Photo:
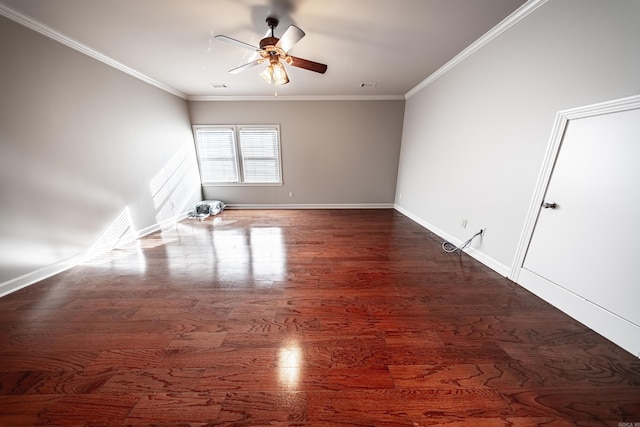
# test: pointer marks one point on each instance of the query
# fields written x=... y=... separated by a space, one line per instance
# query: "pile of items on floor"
x=206 y=208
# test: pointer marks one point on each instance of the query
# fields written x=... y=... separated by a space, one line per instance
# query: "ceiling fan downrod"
x=272 y=23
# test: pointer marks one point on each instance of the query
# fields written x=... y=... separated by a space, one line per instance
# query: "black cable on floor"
x=450 y=247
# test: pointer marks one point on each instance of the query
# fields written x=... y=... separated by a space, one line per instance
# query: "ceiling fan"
x=275 y=51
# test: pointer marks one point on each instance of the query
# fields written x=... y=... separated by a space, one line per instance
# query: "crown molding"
x=518 y=15
x=47 y=31
x=298 y=98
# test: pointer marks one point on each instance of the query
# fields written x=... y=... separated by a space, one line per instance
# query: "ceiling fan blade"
x=236 y=42
x=290 y=37
x=246 y=66
x=307 y=65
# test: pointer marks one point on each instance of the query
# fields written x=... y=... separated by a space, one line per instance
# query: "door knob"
x=549 y=205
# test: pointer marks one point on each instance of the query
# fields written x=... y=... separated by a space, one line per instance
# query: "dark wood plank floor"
x=300 y=318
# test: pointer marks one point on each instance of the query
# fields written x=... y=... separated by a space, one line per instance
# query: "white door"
x=586 y=237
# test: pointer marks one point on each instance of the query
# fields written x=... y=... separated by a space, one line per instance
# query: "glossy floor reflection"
x=301 y=318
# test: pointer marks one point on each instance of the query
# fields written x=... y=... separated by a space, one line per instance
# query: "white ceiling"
x=395 y=44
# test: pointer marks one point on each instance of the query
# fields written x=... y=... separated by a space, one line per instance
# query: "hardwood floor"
x=301 y=318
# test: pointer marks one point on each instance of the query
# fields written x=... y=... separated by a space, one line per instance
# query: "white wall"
x=333 y=152
x=474 y=139
x=81 y=144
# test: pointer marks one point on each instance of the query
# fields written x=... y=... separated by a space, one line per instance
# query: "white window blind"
x=239 y=155
x=217 y=154
x=260 y=154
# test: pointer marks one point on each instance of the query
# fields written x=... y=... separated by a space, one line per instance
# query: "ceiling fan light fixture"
x=275 y=73
x=280 y=76
x=267 y=74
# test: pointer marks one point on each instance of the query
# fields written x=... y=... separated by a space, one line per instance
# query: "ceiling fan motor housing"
x=268 y=42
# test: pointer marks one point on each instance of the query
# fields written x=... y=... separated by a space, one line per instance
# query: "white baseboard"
x=473 y=252
x=43 y=273
x=60 y=266
x=161 y=225
x=616 y=329
x=312 y=206
x=40 y=274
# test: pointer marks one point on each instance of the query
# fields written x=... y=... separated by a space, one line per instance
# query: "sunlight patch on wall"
x=173 y=186
x=119 y=233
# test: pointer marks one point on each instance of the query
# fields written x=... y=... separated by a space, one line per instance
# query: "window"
x=217 y=154
x=239 y=155
x=260 y=154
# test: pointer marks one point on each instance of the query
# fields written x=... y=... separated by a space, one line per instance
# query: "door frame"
x=613 y=327
x=553 y=149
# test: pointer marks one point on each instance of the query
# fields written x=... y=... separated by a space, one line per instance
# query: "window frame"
x=238 y=156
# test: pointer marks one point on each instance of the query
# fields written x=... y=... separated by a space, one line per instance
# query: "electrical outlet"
x=290 y=193
x=463 y=223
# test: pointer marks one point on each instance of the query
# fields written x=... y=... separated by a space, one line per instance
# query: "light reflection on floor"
x=289 y=366
x=256 y=255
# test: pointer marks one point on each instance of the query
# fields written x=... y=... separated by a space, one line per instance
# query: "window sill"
x=243 y=184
